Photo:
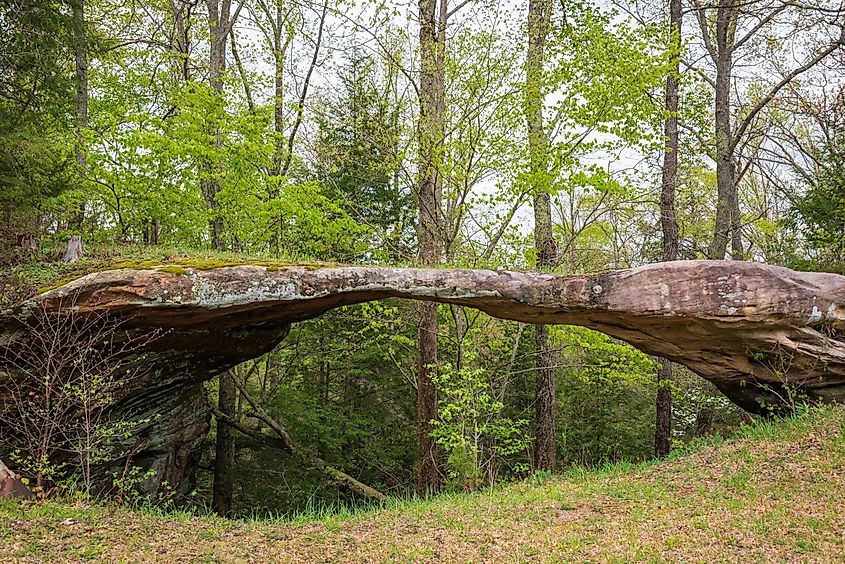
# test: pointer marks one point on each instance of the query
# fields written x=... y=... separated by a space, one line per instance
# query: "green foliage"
x=473 y=430
x=35 y=91
x=604 y=419
x=338 y=385
x=600 y=358
x=358 y=154
x=819 y=211
x=127 y=485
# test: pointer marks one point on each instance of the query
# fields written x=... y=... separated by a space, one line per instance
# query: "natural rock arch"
x=746 y=327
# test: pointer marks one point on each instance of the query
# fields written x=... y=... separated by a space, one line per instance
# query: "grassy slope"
x=774 y=494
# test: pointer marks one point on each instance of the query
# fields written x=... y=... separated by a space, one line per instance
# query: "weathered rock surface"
x=11 y=486
x=748 y=328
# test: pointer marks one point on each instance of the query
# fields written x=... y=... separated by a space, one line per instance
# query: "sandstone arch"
x=748 y=328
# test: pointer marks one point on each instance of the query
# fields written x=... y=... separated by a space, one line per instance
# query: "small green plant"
x=788 y=394
x=127 y=485
x=62 y=376
x=472 y=429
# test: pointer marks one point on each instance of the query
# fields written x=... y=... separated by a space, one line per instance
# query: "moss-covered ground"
x=26 y=278
x=772 y=494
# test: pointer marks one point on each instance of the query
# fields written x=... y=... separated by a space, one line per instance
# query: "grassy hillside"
x=772 y=494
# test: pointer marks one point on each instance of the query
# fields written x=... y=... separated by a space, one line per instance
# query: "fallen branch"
x=283 y=441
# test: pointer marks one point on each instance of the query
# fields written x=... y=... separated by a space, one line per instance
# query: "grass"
x=773 y=494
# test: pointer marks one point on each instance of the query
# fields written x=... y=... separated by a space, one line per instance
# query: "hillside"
x=771 y=494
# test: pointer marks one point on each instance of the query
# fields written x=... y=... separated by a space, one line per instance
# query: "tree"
x=220 y=23
x=34 y=92
x=539 y=20
x=668 y=219
x=429 y=194
x=728 y=29
x=80 y=48
x=221 y=20
x=358 y=152
x=820 y=210
x=224 y=453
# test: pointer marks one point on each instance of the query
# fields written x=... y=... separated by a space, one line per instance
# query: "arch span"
x=748 y=328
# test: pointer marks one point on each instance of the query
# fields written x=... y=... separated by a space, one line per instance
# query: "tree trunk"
x=429 y=204
x=278 y=90
x=669 y=225
x=725 y=172
x=180 y=41
x=74 y=250
x=669 y=181
x=219 y=24
x=539 y=19
x=663 y=421
x=428 y=473
x=545 y=438
x=737 y=252
x=224 y=455
x=80 y=51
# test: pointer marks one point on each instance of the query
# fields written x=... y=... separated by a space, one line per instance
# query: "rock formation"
x=751 y=329
x=11 y=486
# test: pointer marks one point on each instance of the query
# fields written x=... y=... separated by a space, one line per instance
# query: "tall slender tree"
x=433 y=15
x=668 y=219
x=80 y=48
x=539 y=20
x=221 y=19
x=224 y=454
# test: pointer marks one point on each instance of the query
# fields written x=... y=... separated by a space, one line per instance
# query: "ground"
x=772 y=494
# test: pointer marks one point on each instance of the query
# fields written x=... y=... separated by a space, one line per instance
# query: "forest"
x=572 y=138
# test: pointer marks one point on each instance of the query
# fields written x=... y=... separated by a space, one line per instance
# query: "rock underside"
x=749 y=328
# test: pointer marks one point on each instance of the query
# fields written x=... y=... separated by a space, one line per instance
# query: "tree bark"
x=726 y=19
x=224 y=454
x=220 y=22
x=74 y=250
x=539 y=19
x=180 y=42
x=279 y=49
x=80 y=48
x=669 y=224
x=663 y=419
x=429 y=204
x=250 y=102
x=737 y=252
